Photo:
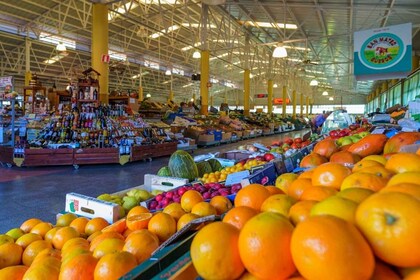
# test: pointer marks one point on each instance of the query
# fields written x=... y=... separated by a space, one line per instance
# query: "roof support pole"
x=28 y=75
x=205 y=62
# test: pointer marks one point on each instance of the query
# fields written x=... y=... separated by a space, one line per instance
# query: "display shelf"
x=6 y=125
x=46 y=157
x=31 y=91
x=208 y=143
x=6 y=156
x=96 y=156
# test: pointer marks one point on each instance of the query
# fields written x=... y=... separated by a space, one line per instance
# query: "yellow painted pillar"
x=100 y=47
x=414 y=62
x=301 y=104
x=270 y=97
x=247 y=90
x=140 y=93
x=171 y=95
x=204 y=90
x=284 y=101
x=307 y=106
x=294 y=104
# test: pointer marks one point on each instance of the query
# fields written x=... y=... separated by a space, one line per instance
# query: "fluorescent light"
x=122 y=10
x=325 y=93
x=187 y=85
x=138 y=75
x=294 y=59
x=271 y=25
x=168 y=72
x=219 y=56
x=56 y=58
x=61 y=47
x=313 y=83
x=196 y=54
x=214 y=81
x=164 y=31
x=148 y=95
x=280 y=52
x=331 y=98
x=275 y=86
x=117 y=55
x=314 y=71
x=192 y=99
x=56 y=40
x=197 y=25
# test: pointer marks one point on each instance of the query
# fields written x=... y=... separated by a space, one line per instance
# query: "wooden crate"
x=96 y=156
x=43 y=157
x=164 y=149
x=141 y=152
x=6 y=155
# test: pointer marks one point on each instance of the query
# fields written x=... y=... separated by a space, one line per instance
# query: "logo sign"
x=261 y=95
x=279 y=101
x=105 y=58
x=383 y=53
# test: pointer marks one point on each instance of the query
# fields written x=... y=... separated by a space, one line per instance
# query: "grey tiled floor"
x=40 y=192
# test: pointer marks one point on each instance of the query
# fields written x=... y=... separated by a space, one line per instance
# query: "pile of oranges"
x=334 y=221
x=221 y=175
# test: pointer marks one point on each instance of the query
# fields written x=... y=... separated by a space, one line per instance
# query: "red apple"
x=268 y=157
x=298 y=140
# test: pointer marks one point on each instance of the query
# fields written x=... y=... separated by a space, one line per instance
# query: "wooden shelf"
x=88 y=100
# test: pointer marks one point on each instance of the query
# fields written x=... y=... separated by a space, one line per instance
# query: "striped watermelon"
x=203 y=168
x=182 y=165
x=165 y=172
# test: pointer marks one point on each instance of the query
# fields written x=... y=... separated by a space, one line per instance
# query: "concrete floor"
x=40 y=191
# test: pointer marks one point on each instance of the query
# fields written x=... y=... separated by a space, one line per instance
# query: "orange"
x=355 y=194
x=33 y=250
x=325 y=147
x=10 y=254
x=312 y=160
x=75 y=242
x=47 y=268
x=65 y=258
x=203 y=209
x=406 y=271
x=137 y=210
x=103 y=236
x=330 y=175
x=185 y=219
x=14 y=272
x=49 y=252
x=298 y=186
x=264 y=246
x=63 y=235
x=14 y=233
x=119 y=226
x=27 y=239
x=336 y=206
x=239 y=215
x=252 y=196
x=189 y=199
x=139 y=221
x=307 y=174
x=247 y=276
x=403 y=162
x=163 y=225
x=109 y=245
x=408 y=188
x=41 y=228
x=408 y=177
x=365 y=181
x=300 y=211
x=95 y=224
x=79 y=224
x=81 y=267
x=141 y=244
x=27 y=225
x=379 y=158
x=278 y=203
x=274 y=190
x=175 y=210
x=65 y=219
x=317 y=193
x=377 y=170
x=114 y=265
x=327 y=247
x=365 y=163
x=415 y=275
x=214 y=252
x=384 y=272
x=284 y=180
x=344 y=157
x=222 y=204
x=388 y=221
x=50 y=234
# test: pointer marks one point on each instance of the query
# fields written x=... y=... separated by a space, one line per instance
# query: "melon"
x=164 y=172
x=396 y=142
x=182 y=165
x=203 y=168
x=215 y=165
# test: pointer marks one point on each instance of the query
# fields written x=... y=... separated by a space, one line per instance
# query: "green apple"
x=355 y=138
x=363 y=133
x=346 y=140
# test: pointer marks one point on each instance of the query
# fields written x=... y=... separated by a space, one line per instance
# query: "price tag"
x=280 y=166
x=296 y=158
x=237 y=177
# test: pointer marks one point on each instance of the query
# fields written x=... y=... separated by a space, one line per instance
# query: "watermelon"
x=203 y=168
x=215 y=165
x=182 y=165
x=165 y=172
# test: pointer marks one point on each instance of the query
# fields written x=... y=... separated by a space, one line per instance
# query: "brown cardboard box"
x=266 y=130
x=226 y=135
x=246 y=133
x=239 y=134
x=192 y=133
x=206 y=138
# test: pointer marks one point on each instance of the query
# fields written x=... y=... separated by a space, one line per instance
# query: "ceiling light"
x=325 y=93
x=313 y=83
x=168 y=72
x=196 y=54
x=187 y=85
x=280 y=52
x=148 y=95
x=271 y=25
x=61 y=47
x=192 y=99
x=275 y=86
x=331 y=98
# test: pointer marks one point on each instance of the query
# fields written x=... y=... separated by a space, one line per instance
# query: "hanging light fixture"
x=61 y=47
x=331 y=98
x=280 y=52
x=192 y=99
x=275 y=86
x=313 y=83
x=196 y=54
x=168 y=72
x=148 y=95
x=325 y=93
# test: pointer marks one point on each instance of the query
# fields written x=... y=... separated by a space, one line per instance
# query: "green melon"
x=203 y=168
x=165 y=172
x=182 y=165
x=215 y=165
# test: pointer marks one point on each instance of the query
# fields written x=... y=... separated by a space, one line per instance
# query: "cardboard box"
x=191 y=142
x=266 y=131
x=91 y=207
x=206 y=138
x=236 y=155
x=238 y=134
x=226 y=135
x=247 y=133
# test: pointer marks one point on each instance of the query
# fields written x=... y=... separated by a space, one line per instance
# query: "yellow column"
x=171 y=95
x=247 y=89
x=284 y=101
x=204 y=90
x=307 y=106
x=294 y=104
x=140 y=93
x=301 y=104
x=270 y=97
x=100 y=47
x=415 y=62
